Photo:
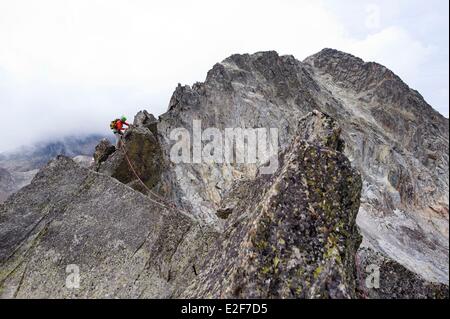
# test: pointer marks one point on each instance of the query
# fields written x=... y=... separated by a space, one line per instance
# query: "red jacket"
x=120 y=124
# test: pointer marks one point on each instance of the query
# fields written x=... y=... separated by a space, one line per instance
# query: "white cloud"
x=395 y=48
x=67 y=66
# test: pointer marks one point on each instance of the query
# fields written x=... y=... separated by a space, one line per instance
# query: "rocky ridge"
x=294 y=237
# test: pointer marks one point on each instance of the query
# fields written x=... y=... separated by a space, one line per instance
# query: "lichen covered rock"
x=142 y=153
x=319 y=128
x=122 y=243
x=295 y=237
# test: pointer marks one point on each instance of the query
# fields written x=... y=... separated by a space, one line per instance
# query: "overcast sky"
x=68 y=67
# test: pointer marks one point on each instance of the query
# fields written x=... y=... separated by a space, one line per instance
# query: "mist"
x=70 y=67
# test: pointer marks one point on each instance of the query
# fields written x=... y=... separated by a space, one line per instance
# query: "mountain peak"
x=352 y=142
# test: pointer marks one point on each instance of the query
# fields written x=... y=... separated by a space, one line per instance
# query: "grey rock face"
x=244 y=91
x=295 y=237
x=394 y=281
x=400 y=145
x=394 y=138
x=6 y=184
x=123 y=244
x=320 y=129
x=6 y=179
x=102 y=152
x=141 y=150
x=126 y=245
x=83 y=160
x=145 y=119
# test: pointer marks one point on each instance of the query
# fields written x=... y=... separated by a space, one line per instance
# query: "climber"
x=118 y=129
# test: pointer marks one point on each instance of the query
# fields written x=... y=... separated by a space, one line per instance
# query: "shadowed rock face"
x=291 y=234
x=144 y=154
x=295 y=237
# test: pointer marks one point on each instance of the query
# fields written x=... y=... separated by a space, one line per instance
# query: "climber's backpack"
x=113 y=124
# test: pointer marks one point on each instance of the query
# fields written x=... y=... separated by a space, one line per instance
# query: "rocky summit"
x=357 y=206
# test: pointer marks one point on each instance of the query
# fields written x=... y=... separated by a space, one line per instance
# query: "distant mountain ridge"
x=35 y=156
x=19 y=166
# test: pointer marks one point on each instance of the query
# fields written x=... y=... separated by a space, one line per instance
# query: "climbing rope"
x=171 y=206
x=161 y=201
x=149 y=191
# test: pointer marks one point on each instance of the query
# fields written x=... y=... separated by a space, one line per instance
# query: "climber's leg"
x=118 y=139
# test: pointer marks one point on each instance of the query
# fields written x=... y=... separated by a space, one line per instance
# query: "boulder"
x=140 y=158
x=102 y=151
